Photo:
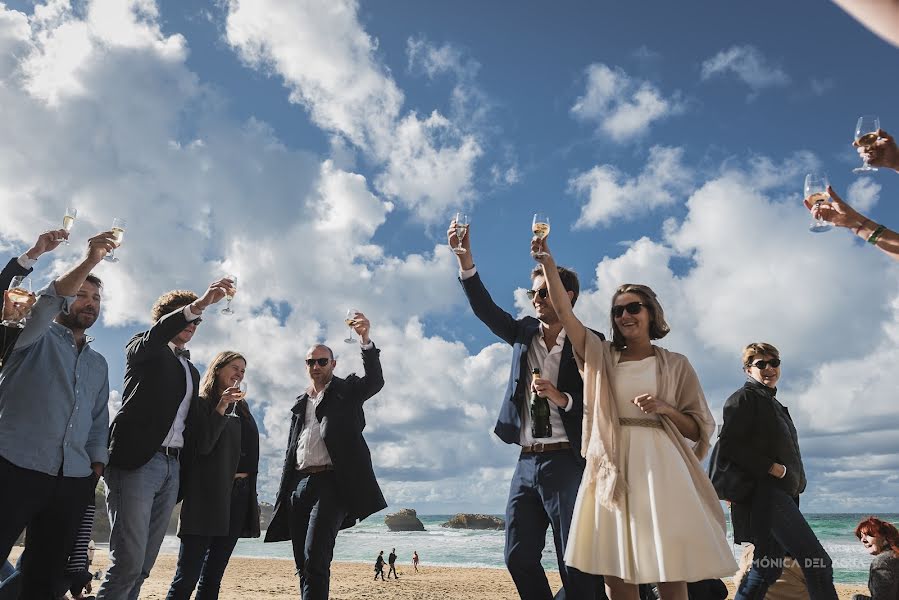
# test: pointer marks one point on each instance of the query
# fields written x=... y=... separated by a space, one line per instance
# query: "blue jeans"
x=6 y=569
x=316 y=513
x=140 y=503
x=542 y=494
x=777 y=527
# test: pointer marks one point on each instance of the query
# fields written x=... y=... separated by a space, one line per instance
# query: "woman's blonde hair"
x=658 y=327
x=758 y=349
x=207 y=383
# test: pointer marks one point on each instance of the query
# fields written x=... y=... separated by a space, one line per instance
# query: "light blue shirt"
x=53 y=398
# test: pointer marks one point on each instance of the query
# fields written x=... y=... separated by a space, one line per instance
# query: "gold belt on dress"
x=640 y=422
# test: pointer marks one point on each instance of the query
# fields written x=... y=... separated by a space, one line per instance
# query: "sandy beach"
x=273 y=579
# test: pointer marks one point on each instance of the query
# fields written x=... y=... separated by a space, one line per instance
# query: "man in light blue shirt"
x=54 y=390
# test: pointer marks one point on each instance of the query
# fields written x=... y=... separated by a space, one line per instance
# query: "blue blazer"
x=518 y=333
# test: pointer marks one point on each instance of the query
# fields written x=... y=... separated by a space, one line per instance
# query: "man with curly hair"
x=148 y=436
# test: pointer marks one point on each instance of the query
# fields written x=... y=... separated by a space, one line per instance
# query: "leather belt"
x=314 y=470
x=641 y=422
x=541 y=447
x=169 y=451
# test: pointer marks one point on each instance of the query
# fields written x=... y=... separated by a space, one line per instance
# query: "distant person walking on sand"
x=415 y=560
x=392 y=560
x=379 y=565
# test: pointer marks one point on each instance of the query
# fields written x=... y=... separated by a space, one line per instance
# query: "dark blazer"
x=342 y=421
x=154 y=388
x=206 y=509
x=518 y=333
x=9 y=334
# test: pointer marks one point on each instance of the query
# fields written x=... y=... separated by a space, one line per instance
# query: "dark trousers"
x=51 y=508
x=392 y=570
x=202 y=559
x=543 y=491
x=316 y=513
x=777 y=526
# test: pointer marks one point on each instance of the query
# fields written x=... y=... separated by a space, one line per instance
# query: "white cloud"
x=863 y=193
x=748 y=64
x=331 y=66
x=622 y=107
x=611 y=196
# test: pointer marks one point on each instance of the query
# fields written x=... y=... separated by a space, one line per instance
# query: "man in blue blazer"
x=546 y=479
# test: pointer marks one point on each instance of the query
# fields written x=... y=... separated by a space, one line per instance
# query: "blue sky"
x=318 y=149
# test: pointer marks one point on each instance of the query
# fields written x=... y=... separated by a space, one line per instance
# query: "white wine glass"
x=540 y=227
x=67 y=221
x=243 y=394
x=118 y=230
x=865 y=135
x=350 y=320
x=815 y=188
x=462 y=223
x=229 y=295
x=16 y=302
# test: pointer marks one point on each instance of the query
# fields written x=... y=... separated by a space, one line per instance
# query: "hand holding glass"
x=17 y=302
x=118 y=230
x=229 y=295
x=865 y=135
x=815 y=193
x=350 y=321
x=232 y=412
x=461 y=221
x=540 y=227
x=67 y=221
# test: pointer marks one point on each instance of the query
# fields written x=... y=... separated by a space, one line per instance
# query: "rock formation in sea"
x=404 y=520
x=469 y=521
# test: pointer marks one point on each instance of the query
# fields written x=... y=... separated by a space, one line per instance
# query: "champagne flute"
x=816 y=192
x=243 y=394
x=461 y=231
x=15 y=302
x=350 y=320
x=229 y=295
x=67 y=221
x=118 y=230
x=540 y=227
x=865 y=135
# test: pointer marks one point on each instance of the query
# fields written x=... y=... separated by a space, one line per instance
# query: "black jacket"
x=518 y=333
x=9 y=335
x=342 y=421
x=758 y=432
x=154 y=388
x=210 y=476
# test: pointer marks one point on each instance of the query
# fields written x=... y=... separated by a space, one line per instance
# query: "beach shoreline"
x=274 y=579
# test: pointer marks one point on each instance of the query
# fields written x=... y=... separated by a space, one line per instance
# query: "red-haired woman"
x=881 y=539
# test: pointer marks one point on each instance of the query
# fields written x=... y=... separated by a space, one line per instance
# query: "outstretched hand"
x=882 y=153
x=47 y=242
x=540 y=251
x=837 y=211
x=215 y=292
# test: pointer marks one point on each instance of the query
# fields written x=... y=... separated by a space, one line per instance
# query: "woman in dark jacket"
x=219 y=488
x=881 y=539
x=759 y=438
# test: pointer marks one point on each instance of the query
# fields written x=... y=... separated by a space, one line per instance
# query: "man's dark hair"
x=171 y=301
x=569 y=280
x=91 y=278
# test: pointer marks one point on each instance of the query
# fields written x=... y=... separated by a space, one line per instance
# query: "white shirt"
x=539 y=357
x=311 y=448
x=175 y=437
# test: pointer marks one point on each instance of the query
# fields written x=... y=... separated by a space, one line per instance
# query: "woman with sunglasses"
x=219 y=486
x=759 y=438
x=646 y=511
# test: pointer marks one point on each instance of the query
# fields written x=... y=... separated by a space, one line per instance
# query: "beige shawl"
x=678 y=385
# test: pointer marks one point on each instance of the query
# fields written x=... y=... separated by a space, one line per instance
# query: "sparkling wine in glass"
x=816 y=185
x=17 y=302
x=865 y=135
x=350 y=321
x=540 y=227
x=118 y=230
x=67 y=221
x=461 y=221
x=240 y=396
x=229 y=295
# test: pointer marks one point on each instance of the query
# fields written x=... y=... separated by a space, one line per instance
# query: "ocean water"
x=469 y=548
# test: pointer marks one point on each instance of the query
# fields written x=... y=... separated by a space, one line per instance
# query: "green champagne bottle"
x=539 y=410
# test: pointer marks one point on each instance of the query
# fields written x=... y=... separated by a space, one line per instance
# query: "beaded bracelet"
x=875 y=235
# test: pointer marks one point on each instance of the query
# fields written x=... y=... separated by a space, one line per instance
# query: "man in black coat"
x=328 y=482
x=148 y=436
x=548 y=473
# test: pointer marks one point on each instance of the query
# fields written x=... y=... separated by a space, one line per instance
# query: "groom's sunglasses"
x=542 y=293
x=322 y=362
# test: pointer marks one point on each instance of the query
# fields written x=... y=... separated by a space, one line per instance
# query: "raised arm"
x=838 y=212
x=373 y=379
x=880 y=16
x=560 y=298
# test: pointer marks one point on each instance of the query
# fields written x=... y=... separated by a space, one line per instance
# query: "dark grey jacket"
x=883 y=579
x=209 y=476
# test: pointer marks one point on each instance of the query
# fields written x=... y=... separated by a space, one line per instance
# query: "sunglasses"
x=632 y=308
x=542 y=292
x=323 y=361
x=764 y=364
